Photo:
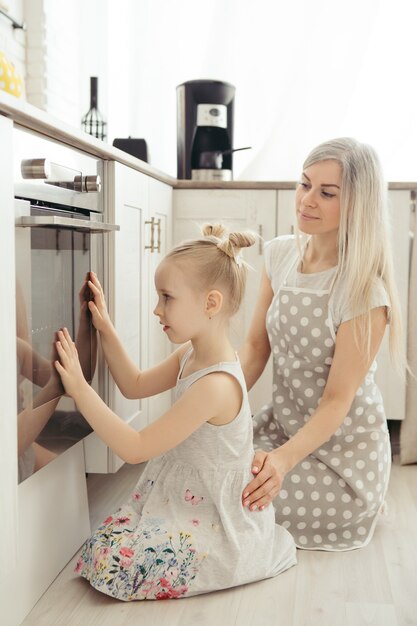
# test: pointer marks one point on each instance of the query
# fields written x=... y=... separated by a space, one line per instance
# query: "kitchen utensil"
x=213 y=159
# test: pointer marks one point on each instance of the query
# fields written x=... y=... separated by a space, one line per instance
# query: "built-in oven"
x=60 y=237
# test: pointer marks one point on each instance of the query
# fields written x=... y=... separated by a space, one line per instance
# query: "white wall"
x=52 y=56
x=304 y=72
x=95 y=43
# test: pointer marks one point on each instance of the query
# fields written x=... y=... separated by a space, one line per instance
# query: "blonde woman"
x=184 y=530
x=326 y=297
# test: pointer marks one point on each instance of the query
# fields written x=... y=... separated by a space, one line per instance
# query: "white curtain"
x=304 y=72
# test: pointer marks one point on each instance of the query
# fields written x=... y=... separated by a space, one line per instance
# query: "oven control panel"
x=60 y=176
x=52 y=172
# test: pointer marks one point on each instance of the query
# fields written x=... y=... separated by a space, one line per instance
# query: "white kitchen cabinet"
x=238 y=209
x=285 y=211
x=159 y=348
x=8 y=406
x=390 y=382
x=141 y=206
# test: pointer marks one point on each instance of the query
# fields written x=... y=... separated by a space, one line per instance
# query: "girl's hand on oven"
x=68 y=366
x=97 y=306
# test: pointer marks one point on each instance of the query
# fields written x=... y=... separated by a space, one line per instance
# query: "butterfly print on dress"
x=193 y=499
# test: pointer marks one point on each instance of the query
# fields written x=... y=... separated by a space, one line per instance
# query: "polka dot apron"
x=330 y=500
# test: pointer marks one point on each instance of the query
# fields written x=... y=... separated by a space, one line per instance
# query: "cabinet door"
x=285 y=211
x=127 y=293
x=159 y=348
x=391 y=384
x=238 y=210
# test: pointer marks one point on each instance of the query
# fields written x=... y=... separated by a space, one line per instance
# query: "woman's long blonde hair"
x=364 y=245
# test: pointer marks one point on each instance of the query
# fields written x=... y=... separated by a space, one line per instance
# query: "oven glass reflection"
x=53 y=266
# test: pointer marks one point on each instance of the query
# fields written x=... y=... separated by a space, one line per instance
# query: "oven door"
x=55 y=251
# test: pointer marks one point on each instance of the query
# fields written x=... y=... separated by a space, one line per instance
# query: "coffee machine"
x=205 y=130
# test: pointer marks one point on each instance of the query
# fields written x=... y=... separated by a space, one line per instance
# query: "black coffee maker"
x=205 y=130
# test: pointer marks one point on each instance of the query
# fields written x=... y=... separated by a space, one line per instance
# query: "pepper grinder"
x=93 y=121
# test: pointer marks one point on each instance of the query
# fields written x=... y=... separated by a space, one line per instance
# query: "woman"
x=323 y=308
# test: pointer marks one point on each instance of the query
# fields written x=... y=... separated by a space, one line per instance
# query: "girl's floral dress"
x=184 y=530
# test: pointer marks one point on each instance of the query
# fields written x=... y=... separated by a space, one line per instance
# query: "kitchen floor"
x=374 y=586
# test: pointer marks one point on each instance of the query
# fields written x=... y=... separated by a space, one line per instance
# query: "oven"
x=60 y=236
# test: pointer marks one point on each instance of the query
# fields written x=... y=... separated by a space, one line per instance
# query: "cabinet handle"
x=158 y=223
x=154 y=223
x=260 y=241
x=413 y=203
x=152 y=244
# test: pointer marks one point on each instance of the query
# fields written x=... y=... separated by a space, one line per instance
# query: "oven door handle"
x=55 y=221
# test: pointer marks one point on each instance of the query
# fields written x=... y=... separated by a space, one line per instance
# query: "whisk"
x=93 y=121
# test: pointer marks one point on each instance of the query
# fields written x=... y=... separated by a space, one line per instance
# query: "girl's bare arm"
x=132 y=382
x=206 y=399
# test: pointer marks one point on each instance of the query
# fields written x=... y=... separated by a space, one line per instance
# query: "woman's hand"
x=97 y=306
x=268 y=468
x=69 y=367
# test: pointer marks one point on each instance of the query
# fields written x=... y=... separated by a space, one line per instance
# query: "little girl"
x=184 y=530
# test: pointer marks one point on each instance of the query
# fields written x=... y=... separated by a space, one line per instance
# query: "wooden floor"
x=374 y=586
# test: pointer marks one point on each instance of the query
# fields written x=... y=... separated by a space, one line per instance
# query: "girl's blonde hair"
x=364 y=246
x=215 y=261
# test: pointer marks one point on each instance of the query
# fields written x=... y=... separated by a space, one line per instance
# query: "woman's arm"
x=348 y=369
x=255 y=351
x=206 y=399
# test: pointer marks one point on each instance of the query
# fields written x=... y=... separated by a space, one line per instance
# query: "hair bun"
x=234 y=242
x=214 y=230
x=242 y=240
x=229 y=243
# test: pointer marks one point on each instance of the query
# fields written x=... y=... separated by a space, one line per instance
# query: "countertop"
x=31 y=117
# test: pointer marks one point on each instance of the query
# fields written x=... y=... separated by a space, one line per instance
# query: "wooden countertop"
x=235 y=184
x=31 y=117
x=264 y=184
